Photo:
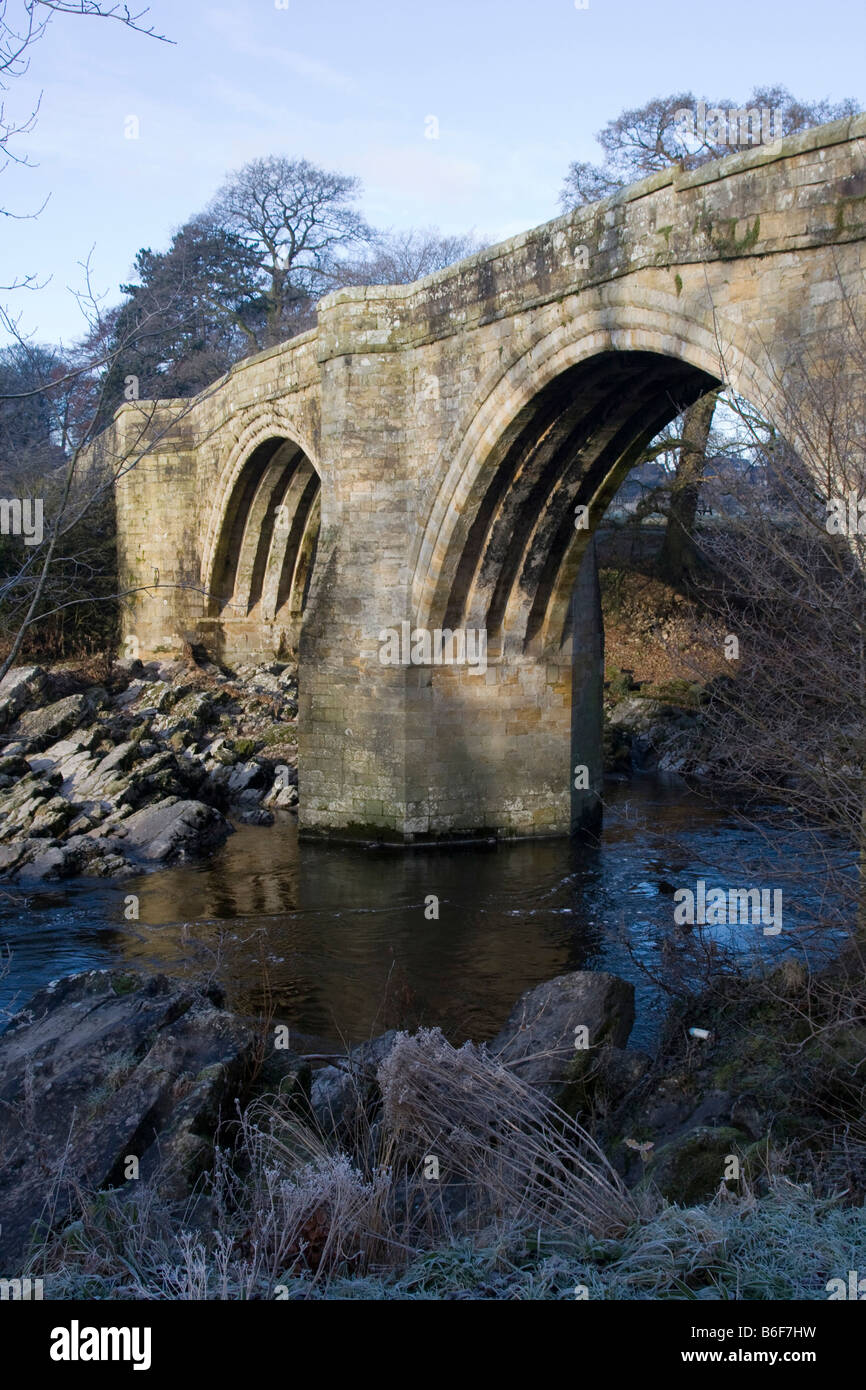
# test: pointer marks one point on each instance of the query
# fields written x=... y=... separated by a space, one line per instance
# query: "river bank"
x=146 y=767
x=185 y=1151
x=266 y=1027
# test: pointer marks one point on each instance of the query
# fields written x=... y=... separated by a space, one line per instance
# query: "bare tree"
x=679 y=558
x=399 y=258
x=298 y=220
x=788 y=727
x=22 y=24
x=645 y=139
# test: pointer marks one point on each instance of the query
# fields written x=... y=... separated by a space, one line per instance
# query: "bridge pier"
x=413 y=753
x=434 y=753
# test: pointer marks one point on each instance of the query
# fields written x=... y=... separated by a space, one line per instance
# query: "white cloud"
x=235 y=31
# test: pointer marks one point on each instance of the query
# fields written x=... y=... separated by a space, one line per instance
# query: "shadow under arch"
x=263 y=548
x=559 y=426
x=518 y=548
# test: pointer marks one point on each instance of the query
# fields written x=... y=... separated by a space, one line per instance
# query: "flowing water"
x=342 y=943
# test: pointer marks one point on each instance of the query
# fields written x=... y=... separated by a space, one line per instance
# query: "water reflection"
x=343 y=943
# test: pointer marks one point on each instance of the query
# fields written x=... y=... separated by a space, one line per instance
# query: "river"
x=342 y=942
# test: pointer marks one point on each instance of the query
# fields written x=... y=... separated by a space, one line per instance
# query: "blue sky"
x=518 y=87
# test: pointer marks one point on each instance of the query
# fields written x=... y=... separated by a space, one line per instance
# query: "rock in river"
x=540 y=1040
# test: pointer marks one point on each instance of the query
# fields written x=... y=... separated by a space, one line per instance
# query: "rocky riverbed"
x=148 y=768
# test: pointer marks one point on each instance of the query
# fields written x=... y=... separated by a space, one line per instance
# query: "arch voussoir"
x=656 y=326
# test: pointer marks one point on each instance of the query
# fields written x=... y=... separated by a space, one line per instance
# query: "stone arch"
x=244 y=441
x=261 y=541
x=561 y=425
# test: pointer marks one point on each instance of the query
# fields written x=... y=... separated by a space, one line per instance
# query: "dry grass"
x=286 y=1203
x=532 y=1164
x=657 y=633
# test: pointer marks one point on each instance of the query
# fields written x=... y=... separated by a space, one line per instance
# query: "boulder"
x=691 y=1167
x=82 y=740
x=172 y=830
x=119 y=760
x=129 y=695
x=104 y=1066
x=638 y=715
x=154 y=778
x=245 y=775
x=93 y=855
x=334 y=1098
x=189 y=715
x=23 y=802
x=45 y=865
x=44 y=726
x=13 y=853
x=643 y=733
x=618 y=1070
x=129 y=666
x=341 y=1094
x=286 y=1074
x=540 y=1041
x=285 y=798
x=21 y=688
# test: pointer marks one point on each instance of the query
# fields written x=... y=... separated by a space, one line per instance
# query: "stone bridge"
x=418 y=460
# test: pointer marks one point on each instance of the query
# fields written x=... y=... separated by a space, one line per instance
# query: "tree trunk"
x=678 y=560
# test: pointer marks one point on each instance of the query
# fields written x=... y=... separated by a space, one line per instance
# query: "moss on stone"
x=125 y=984
x=690 y=1168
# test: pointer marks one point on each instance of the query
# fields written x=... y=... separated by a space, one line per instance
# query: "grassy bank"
x=524 y=1201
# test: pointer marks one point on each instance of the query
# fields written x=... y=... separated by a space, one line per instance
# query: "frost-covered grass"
x=527 y=1208
x=784 y=1246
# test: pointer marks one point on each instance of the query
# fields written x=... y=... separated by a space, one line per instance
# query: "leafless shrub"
x=786 y=727
x=527 y=1159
